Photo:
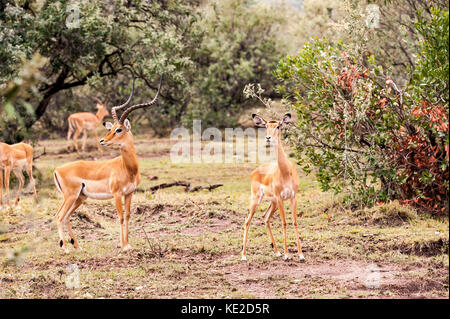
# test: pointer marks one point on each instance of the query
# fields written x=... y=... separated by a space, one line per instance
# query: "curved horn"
x=119 y=107
x=98 y=100
x=138 y=106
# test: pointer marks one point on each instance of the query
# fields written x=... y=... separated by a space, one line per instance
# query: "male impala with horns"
x=115 y=178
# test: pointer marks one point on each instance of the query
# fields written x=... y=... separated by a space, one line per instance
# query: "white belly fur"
x=20 y=164
x=287 y=193
x=97 y=195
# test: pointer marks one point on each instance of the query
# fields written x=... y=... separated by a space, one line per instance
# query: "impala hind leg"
x=267 y=216
x=30 y=175
x=283 y=222
x=255 y=200
x=83 y=146
x=7 y=173
x=59 y=218
x=69 y=133
x=74 y=139
x=73 y=239
x=1 y=189
x=297 y=236
x=18 y=173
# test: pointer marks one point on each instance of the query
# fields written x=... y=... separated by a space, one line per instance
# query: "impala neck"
x=100 y=115
x=283 y=162
x=129 y=157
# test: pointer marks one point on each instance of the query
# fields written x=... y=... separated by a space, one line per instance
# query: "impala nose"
x=102 y=142
x=268 y=138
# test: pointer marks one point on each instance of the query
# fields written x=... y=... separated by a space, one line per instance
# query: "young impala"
x=115 y=178
x=16 y=157
x=278 y=182
x=83 y=122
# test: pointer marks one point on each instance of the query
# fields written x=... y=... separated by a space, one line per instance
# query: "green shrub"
x=361 y=132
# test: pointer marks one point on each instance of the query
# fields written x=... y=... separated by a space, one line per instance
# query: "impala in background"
x=83 y=122
x=17 y=158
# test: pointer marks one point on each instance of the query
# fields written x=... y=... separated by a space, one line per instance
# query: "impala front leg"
x=294 y=220
x=127 y=219
x=253 y=205
x=118 y=200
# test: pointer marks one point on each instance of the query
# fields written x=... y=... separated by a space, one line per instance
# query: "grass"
x=193 y=243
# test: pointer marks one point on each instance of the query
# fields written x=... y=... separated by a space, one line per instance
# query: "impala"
x=85 y=121
x=277 y=182
x=115 y=178
x=16 y=157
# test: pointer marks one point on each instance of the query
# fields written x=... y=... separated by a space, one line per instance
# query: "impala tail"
x=58 y=185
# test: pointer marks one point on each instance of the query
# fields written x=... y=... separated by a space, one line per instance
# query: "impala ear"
x=286 y=119
x=258 y=120
x=108 y=125
x=127 y=124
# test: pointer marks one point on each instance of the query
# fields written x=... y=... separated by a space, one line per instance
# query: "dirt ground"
x=187 y=245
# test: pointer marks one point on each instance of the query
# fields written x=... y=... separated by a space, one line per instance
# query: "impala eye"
x=119 y=130
x=278 y=127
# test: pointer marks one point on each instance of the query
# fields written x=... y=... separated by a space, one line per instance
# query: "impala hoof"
x=243 y=258
x=301 y=258
x=277 y=254
x=127 y=247
x=286 y=257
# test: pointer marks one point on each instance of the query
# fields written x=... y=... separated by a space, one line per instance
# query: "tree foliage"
x=205 y=51
x=361 y=131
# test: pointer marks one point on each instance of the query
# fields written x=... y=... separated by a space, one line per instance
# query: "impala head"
x=273 y=128
x=102 y=110
x=101 y=107
x=119 y=131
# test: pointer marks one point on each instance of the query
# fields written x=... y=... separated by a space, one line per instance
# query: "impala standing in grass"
x=115 y=178
x=16 y=158
x=277 y=182
x=83 y=122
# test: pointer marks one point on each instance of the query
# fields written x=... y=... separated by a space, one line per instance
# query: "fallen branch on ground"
x=187 y=187
x=43 y=153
